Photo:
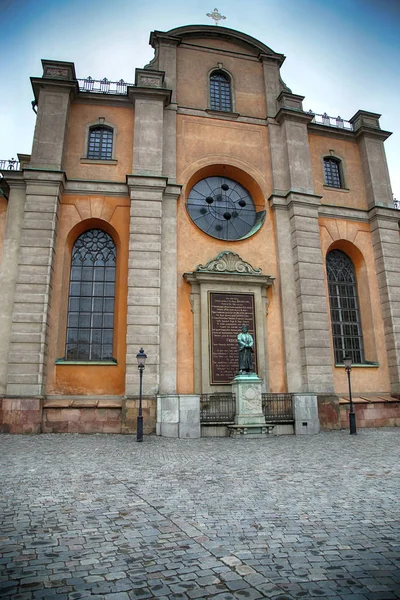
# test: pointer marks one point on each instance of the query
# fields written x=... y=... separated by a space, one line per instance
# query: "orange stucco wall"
x=81 y=115
x=77 y=214
x=3 y=216
x=354 y=194
x=354 y=238
x=240 y=152
x=194 y=65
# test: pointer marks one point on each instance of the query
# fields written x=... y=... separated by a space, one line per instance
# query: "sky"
x=342 y=56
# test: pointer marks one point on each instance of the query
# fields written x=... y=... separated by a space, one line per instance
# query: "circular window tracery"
x=223 y=209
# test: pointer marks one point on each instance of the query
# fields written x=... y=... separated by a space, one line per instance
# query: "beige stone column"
x=9 y=266
x=272 y=81
x=144 y=281
x=370 y=139
x=149 y=97
x=152 y=294
x=304 y=308
x=386 y=243
x=53 y=94
x=384 y=221
x=291 y=334
x=312 y=306
x=27 y=362
x=168 y=306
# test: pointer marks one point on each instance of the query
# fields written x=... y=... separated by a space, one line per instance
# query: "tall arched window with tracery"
x=344 y=306
x=90 y=326
x=220 y=91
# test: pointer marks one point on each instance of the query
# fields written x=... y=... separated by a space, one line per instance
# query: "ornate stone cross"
x=215 y=15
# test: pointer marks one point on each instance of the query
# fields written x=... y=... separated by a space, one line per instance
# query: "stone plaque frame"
x=227 y=273
x=249 y=319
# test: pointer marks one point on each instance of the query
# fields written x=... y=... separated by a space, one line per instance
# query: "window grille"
x=345 y=313
x=90 y=326
x=220 y=91
x=100 y=144
x=333 y=176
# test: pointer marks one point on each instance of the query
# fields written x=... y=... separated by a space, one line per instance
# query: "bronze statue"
x=245 y=345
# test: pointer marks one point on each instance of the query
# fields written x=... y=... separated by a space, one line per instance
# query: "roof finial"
x=215 y=15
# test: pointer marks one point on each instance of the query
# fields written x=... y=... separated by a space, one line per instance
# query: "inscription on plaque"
x=228 y=312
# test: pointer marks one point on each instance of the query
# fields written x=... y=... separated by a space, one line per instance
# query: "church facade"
x=166 y=213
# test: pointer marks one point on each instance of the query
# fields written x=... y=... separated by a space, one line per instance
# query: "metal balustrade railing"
x=103 y=86
x=217 y=408
x=9 y=165
x=337 y=122
x=277 y=407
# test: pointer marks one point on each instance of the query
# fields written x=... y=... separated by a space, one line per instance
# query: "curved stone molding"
x=228 y=262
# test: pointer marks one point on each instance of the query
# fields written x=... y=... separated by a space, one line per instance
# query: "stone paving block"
x=99 y=516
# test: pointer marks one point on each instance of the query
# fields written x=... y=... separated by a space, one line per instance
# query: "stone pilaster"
x=168 y=307
x=373 y=158
x=53 y=94
x=288 y=295
x=312 y=307
x=144 y=281
x=27 y=361
x=386 y=243
x=9 y=266
x=272 y=81
x=304 y=306
x=149 y=98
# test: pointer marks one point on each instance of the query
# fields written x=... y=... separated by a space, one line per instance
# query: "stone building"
x=162 y=214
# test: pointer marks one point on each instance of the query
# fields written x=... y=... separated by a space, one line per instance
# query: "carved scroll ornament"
x=228 y=262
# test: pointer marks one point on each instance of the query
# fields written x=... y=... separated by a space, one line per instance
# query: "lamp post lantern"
x=141 y=359
x=352 y=417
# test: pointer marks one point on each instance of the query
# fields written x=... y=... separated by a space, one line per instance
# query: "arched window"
x=90 y=326
x=333 y=172
x=220 y=91
x=100 y=142
x=345 y=313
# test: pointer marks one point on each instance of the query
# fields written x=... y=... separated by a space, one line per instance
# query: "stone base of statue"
x=250 y=419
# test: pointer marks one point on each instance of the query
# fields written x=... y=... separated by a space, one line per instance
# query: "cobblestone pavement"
x=285 y=517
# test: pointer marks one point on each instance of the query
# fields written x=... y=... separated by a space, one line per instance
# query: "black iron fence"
x=331 y=121
x=103 y=86
x=9 y=165
x=217 y=408
x=277 y=407
x=221 y=408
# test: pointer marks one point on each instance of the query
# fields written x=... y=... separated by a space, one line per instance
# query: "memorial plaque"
x=228 y=312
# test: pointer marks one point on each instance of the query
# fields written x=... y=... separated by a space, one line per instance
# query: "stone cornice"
x=288 y=114
x=108 y=99
x=371 y=132
x=277 y=59
x=334 y=132
x=330 y=211
x=208 y=114
x=149 y=93
x=210 y=31
x=385 y=213
x=164 y=38
x=46 y=177
x=110 y=188
x=282 y=200
x=173 y=190
x=58 y=85
x=146 y=182
x=229 y=278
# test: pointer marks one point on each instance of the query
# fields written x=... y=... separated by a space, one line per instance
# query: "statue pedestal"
x=249 y=420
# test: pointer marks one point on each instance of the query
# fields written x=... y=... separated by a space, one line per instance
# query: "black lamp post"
x=352 y=417
x=141 y=359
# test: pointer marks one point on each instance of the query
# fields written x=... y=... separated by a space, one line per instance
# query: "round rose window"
x=224 y=209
